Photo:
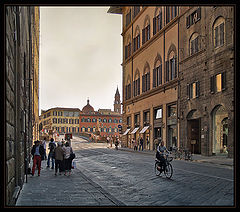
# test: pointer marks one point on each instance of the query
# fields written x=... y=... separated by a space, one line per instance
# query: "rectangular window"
x=136 y=43
x=146 y=118
x=172 y=110
x=193 y=18
x=193 y=90
x=128 y=91
x=218 y=82
x=158 y=113
x=146 y=34
x=146 y=82
x=128 y=18
x=137 y=120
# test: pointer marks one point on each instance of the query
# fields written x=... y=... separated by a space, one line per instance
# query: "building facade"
x=102 y=123
x=59 y=120
x=178 y=77
x=207 y=80
x=35 y=83
x=150 y=74
x=18 y=97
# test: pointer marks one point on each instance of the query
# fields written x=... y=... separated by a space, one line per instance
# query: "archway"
x=220 y=130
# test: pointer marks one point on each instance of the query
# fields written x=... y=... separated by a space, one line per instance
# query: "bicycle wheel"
x=157 y=172
x=168 y=171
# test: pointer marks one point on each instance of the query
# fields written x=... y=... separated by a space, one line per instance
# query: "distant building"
x=59 y=120
x=103 y=122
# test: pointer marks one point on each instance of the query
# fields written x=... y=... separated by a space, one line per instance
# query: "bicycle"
x=188 y=155
x=168 y=171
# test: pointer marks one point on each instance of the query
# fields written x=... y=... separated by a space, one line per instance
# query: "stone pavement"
x=217 y=160
x=60 y=190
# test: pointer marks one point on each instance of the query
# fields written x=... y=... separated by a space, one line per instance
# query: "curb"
x=194 y=160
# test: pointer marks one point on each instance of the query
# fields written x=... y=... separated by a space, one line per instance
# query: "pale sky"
x=80 y=57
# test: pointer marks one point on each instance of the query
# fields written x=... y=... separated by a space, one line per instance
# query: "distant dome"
x=88 y=108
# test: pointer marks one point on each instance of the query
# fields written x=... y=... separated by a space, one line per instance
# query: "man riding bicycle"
x=161 y=149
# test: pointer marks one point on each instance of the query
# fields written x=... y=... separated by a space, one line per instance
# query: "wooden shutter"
x=188 y=21
x=143 y=36
x=188 y=91
x=138 y=86
x=160 y=74
x=212 y=84
x=197 y=89
x=167 y=71
x=143 y=83
x=154 y=77
x=175 y=68
x=216 y=36
x=148 y=81
x=154 y=26
x=221 y=27
x=223 y=80
x=198 y=13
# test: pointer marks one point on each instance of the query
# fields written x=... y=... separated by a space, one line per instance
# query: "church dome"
x=88 y=108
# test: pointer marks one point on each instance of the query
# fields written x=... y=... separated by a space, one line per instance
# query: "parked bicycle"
x=168 y=169
x=188 y=155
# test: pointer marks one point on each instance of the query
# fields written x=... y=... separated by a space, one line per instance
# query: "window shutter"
x=154 y=26
x=197 y=89
x=199 y=13
x=212 y=84
x=221 y=33
x=154 y=78
x=143 y=36
x=223 y=80
x=167 y=71
x=143 y=83
x=175 y=68
x=138 y=86
x=148 y=81
x=160 y=74
x=188 y=92
x=188 y=21
x=196 y=44
x=216 y=36
x=134 y=88
x=148 y=32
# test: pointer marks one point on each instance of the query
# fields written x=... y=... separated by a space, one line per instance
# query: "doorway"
x=194 y=141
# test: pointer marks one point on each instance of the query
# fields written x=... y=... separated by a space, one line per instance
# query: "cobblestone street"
x=106 y=177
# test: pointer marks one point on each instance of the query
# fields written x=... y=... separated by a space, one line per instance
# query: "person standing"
x=38 y=154
x=67 y=160
x=141 y=144
x=59 y=154
x=51 y=147
x=44 y=146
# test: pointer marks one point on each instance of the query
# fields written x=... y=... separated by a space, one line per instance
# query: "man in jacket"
x=38 y=155
x=59 y=154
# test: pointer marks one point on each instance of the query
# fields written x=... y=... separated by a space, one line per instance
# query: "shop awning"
x=126 y=132
x=135 y=130
x=144 y=129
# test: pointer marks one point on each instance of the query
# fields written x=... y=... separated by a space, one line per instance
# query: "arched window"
x=136 y=84
x=136 y=39
x=128 y=88
x=171 y=64
x=157 y=20
x=219 y=32
x=194 y=43
x=128 y=48
x=157 y=71
x=146 y=30
x=146 y=78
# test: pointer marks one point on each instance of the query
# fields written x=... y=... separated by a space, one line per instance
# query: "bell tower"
x=117 y=102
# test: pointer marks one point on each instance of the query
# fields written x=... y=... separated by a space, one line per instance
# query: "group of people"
x=61 y=155
x=139 y=143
